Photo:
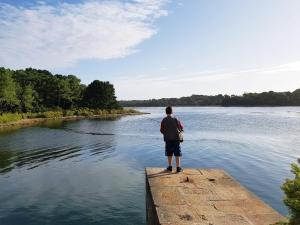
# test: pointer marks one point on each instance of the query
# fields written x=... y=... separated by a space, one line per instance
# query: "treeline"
x=248 y=99
x=194 y=100
x=270 y=98
x=33 y=90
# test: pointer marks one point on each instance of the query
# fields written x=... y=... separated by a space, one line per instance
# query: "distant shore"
x=35 y=121
x=263 y=99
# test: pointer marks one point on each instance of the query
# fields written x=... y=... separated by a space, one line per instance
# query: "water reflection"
x=91 y=133
x=40 y=146
x=5 y=160
x=65 y=125
x=36 y=157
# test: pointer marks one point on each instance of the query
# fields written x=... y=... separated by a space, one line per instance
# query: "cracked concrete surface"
x=203 y=197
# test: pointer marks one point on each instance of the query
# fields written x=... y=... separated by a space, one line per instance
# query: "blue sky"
x=153 y=49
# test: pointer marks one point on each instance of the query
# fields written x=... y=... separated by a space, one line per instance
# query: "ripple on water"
x=68 y=173
x=33 y=158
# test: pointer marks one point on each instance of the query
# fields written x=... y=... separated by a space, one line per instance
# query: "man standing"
x=170 y=128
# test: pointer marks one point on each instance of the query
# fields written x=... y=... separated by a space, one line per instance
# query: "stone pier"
x=203 y=197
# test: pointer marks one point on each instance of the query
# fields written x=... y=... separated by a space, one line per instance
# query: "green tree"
x=76 y=91
x=100 y=95
x=43 y=83
x=28 y=99
x=62 y=92
x=296 y=97
x=291 y=188
x=25 y=92
x=8 y=96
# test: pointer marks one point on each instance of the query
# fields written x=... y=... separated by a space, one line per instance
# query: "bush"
x=68 y=113
x=9 y=117
x=51 y=114
x=130 y=110
x=291 y=188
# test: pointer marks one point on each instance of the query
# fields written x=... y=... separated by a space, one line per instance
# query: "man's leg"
x=177 y=161
x=170 y=160
x=178 y=155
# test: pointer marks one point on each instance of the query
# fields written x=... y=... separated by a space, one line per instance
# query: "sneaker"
x=179 y=169
x=169 y=168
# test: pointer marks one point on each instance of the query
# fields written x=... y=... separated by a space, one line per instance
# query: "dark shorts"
x=173 y=148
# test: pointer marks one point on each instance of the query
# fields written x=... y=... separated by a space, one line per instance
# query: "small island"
x=32 y=96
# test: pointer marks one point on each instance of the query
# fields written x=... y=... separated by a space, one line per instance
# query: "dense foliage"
x=32 y=90
x=248 y=99
x=270 y=98
x=100 y=95
x=194 y=100
x=291 y=188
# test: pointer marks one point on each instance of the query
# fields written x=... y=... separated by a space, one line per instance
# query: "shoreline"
x=221 y=106
x=35 y=121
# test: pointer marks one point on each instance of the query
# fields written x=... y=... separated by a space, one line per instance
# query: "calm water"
x=67 y=173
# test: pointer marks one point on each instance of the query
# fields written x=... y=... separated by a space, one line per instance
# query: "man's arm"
x=180 y=126
x=162 y=129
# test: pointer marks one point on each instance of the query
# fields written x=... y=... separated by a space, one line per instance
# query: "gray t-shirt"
x=170 y=127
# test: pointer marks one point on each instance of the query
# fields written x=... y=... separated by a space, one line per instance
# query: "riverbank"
x=31 y=119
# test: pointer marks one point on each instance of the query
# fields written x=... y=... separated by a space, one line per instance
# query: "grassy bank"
x=10 y=118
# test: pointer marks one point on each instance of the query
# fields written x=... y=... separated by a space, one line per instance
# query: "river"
x=92 y=171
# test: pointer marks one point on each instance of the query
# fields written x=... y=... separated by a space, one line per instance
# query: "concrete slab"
x=203 y=197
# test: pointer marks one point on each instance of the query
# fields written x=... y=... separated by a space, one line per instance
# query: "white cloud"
x=293 y=66
x=46 y=36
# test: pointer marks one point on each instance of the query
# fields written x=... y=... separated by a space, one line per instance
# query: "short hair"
x=169 y=110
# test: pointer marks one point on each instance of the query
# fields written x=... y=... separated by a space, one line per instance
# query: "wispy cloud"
x=288 y=67
x=47 y=36
x=213 y=75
